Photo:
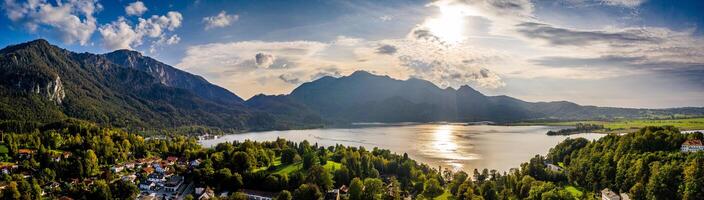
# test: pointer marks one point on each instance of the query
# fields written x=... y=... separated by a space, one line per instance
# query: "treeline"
x=72 y=158
x=646 y=164
x=579 y=128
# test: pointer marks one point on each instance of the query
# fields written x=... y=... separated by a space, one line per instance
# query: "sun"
x=450 y=24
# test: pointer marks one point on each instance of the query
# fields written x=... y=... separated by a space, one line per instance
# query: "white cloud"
x=121 y=35
x=73 y=20
x=624 y=3
x=220 y=20
x=137 y=8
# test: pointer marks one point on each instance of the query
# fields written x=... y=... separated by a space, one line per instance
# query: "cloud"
x=220 y=20
x=73 y=20
x=564 y=36
x=386 y=49
x=264 y=60
x=385 y=18
x=288 y=78
x=121 y=35
x=137 y=8
x=624 y=3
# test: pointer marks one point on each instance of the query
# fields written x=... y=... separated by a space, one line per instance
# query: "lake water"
x=455 y=146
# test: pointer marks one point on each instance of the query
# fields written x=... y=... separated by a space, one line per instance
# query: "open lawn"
x=331 y=166
x=683 y=124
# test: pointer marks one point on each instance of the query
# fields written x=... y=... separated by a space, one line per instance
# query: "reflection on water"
x=452 y=146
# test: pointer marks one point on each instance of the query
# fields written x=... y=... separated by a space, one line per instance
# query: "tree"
x=356 y=187
x=320 y=176
x=91 y=163
x=11 y=192
x=124 y=190
x=373 y=188
x=307 y=191
x=243 y=162
x=432 y=188
x=694 y=179
x=284 y=195
x=101 y=190
x=310 y=159
x=341 y=176
x=288 y=156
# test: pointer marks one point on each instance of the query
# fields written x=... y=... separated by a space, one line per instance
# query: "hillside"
x=44 y=83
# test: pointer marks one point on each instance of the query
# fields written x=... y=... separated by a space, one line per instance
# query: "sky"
x=620 y=53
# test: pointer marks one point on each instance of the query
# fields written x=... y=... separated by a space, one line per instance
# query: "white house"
x=607 y=194
x=692 y=146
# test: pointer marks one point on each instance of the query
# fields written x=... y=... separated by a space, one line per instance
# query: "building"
x=156 y=177
x=173 y=183
x=333 y=194
x=25 y=153
x=258 y=195
x=554 y=168
x=117 y=168
x=625 y=196
x=692 y=146
x=171 y=160
x=607 y=194
x=147 y=185
x=205 y=193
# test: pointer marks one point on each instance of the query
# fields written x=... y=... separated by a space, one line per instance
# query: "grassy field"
x=287 y=169
x=683 y=124
x=575 y=192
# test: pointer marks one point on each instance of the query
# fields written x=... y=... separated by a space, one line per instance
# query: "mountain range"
x=41 y=82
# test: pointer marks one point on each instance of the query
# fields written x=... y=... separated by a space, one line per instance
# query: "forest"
x=74 y=159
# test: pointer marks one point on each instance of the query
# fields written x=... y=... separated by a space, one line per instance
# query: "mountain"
x=172 y=77
x=41 y=82
x=365 y=97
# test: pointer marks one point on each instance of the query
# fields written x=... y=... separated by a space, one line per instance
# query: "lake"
x=456 y=146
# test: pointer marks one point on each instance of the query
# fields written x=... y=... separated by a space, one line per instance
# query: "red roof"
x=693 y=143
x=25 y=151
x=172 y=158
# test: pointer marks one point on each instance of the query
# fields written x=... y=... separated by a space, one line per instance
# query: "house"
x=117 y=168
x=158 y=168
x=173 y=183
x=171 y=160
x=692 y=146
x=344 y=189
x=206 y=193
x=258 y=195
x=129 y=165
x=129 y=178
x=554 y=168
x=607 y=194
x=156 y=177
x=148 y=170
x=625 y=196
x=25 y=153
x=147 y=185
x=7 y=168
x=194 y=163
x=333 y=194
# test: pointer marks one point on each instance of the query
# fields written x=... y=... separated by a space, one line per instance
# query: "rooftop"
x=693 y=143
